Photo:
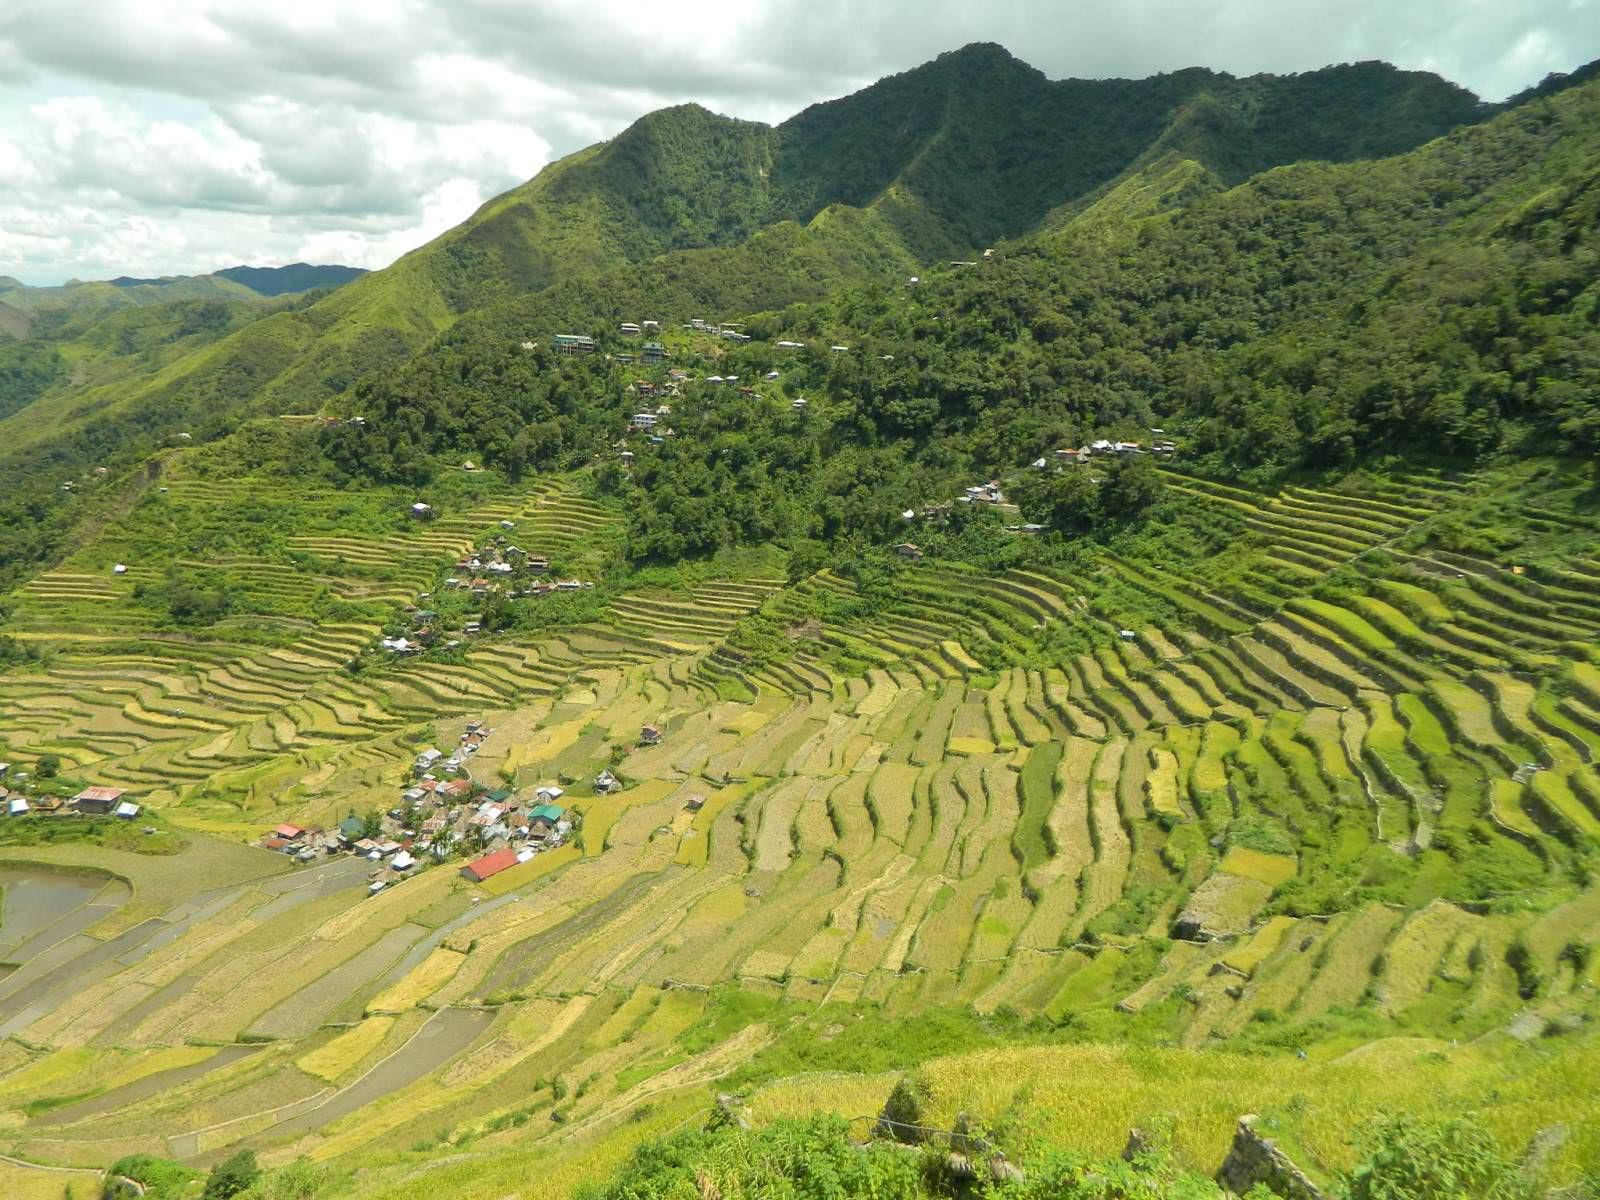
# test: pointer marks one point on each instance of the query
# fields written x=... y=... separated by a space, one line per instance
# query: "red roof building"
x=97 y=799
x=288 y=832
x=490 y=864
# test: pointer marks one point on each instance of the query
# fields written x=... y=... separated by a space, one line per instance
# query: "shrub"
x=231 y=1176
x=1407 y=1159
x=161 y=1178
x=801 y=1160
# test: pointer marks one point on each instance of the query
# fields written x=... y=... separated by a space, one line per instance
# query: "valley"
x=1254 y=816
x=833 y=658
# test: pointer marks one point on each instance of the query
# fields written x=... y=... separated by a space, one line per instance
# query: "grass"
x=1271 y=869
x=535 y=868
x=338 y=1057
x=893 y=862
x=1249 y=955
x=26 y=1183
x=419 y=983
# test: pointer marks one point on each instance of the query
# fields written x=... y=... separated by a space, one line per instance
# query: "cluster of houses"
x=1162 y=447
x=733 y=331
x=498 y=565
x=442 y=814
x=578 y=344
x=91 y=801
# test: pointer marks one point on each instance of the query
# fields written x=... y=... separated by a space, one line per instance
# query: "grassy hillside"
x=1258 y=778
x=945 y=807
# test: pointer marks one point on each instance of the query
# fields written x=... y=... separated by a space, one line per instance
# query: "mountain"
x=296 y=277
x=264 y=281
x=79 y=298
x=828 y=735
x=1437 y=303
x=938 y=162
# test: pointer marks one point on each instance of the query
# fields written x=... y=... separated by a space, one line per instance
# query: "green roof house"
x=546 y=814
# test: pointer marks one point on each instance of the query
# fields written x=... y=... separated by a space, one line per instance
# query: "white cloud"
x=161 y=136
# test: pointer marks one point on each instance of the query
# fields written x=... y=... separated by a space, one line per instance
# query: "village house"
x=489 y=865
x=421 y=511
x=653 y=352
x=574 y=343
x=99 y=800
x=628 y=329
x=790 y=345
x=650 y=735
x=908 y=550
x=544 y=818
x=549 y=793
x=605 y=783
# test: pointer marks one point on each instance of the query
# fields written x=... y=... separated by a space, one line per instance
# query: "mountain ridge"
x=931 y=178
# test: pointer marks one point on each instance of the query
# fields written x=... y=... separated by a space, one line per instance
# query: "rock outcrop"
x=1255 y=1158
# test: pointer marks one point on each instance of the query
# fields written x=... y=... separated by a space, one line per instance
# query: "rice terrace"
x=996 y=708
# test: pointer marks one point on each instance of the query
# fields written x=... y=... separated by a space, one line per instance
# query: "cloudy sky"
x=156 y=137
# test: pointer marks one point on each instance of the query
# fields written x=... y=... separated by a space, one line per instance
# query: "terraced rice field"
x=1276 y=803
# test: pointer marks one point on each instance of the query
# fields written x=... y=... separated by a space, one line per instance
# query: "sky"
x=154 y=137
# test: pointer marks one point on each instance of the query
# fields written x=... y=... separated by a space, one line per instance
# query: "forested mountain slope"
x=1442 y=302
x=1258 y=775
x=938 y=161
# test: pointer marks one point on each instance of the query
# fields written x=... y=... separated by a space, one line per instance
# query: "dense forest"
x=1166 y=268
x=1442 y=302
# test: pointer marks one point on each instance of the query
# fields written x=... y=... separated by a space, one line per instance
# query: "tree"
x=48 y=766
x=372 y=823
x=1132 y=487
x=231 y=1176
x=1067 y=500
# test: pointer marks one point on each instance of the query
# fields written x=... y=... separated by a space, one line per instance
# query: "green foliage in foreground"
x=161 y=1178
x=816 y=1159
x=112 y=833
x=1405 y=1159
